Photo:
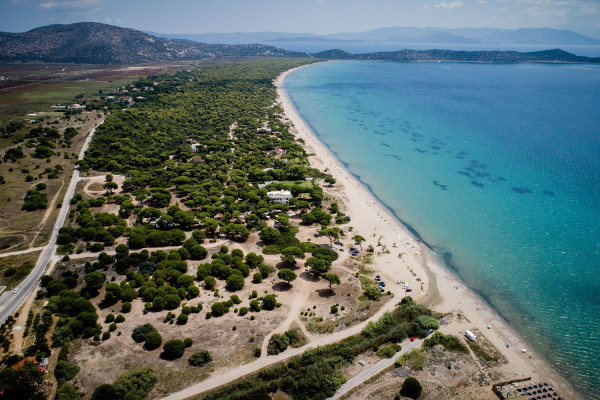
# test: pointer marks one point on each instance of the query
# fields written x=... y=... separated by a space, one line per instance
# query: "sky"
x=303 y=16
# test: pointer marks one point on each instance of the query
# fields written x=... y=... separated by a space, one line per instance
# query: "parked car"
x=381 y=284
x=408 y=289
x=361 y=362
x=377 y=278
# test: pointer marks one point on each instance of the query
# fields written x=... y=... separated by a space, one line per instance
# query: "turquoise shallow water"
x=497 y=167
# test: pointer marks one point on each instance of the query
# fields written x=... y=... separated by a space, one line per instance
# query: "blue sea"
x=497 y=168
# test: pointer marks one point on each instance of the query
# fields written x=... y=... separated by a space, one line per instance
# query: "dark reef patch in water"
x=465 y=173
x=501 y=178
x=478 y=184
x=384 y=144
x=420 y=150
x=447 y=257
x=548 y=192
x=522 y=190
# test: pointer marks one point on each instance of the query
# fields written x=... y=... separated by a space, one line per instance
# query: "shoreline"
x=441 y=290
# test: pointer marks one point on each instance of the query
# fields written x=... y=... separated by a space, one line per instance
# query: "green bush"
x=173 y=349
x=388 y=351
x=449 y=342
x=65 y=371
x=235 y=282
x=182 y=319
x=428 y=322
x=415 y=359
x=200 y=358
x=277 y=344
x=271 y=249
x=411 y=387
x=269 y=302
x=132 y=386
x=140 y=332
x=67 y=392
x=153 y=340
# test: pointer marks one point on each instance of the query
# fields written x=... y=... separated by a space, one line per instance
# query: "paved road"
x=374 y=369
x=10 y=300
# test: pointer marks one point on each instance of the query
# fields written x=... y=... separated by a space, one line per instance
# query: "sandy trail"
x=302 y=291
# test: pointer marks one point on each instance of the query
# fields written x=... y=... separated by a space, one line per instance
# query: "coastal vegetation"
x=316 y=374
x=173 y=232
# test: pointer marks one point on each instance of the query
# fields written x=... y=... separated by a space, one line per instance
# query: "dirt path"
x=223 y=377
x=49 y=210
x=16 y=253
x=302 y=292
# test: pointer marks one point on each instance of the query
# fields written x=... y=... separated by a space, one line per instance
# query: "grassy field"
x=22 y=229
x=299 y=184
x=22 y=263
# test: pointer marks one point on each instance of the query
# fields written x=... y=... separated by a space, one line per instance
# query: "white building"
x=280 y=196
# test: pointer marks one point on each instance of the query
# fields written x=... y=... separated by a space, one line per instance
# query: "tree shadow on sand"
x=325 y=293
x=282 y=287
x=307 y=276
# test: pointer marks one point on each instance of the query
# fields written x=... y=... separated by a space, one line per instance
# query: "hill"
x=96 y=43
x=547 y=56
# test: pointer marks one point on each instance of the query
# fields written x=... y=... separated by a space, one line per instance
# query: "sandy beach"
x=401 y=257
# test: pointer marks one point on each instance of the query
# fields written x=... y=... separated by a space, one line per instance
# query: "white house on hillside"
x=280 y=196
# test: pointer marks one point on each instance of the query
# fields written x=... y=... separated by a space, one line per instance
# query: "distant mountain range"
x=543 y=36
x=96 y=43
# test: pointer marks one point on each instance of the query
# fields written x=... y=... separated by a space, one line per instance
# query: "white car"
x=15 y=290
x=362 y=363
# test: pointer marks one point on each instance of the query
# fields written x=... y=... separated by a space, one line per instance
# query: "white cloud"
x=451 y=5
x=72 y=5
x=544 y=12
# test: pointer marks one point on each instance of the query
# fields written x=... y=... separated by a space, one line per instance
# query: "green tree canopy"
x=332 y=279
x=286 y=275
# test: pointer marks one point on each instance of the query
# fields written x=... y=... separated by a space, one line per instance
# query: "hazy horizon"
x=317 y=17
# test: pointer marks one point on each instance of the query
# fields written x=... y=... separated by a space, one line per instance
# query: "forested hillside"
x=95 y=43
